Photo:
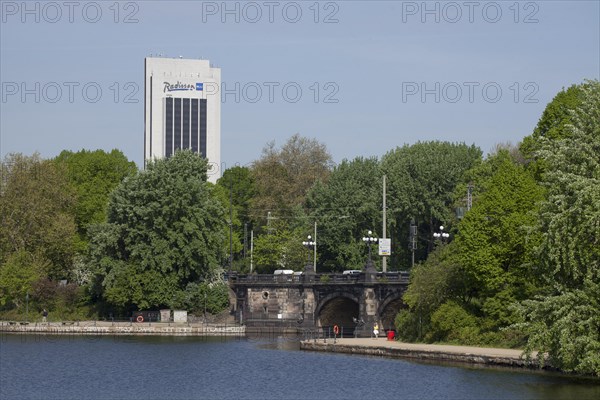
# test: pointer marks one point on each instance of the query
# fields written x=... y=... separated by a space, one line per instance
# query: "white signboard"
x=385 y=247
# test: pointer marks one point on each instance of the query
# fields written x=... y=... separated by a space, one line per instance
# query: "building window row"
x=185 y=125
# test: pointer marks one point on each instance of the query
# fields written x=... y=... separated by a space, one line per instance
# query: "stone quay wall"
x=424 y=352
x=123 y=328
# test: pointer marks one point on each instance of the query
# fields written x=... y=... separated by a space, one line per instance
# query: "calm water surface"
x=84 y=367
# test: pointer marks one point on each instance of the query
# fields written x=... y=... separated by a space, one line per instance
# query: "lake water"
x=119 y=367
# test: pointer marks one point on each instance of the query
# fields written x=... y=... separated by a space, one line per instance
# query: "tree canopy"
x=565 y=319
x=345 y=208
x=36 y=209
x=524 y=266
x=165 y=229
x=239 y=181
x=283 y=176
x=494 y=237
x=421 y=180
x=94 y=174
x=552 y=125
x=485 y=269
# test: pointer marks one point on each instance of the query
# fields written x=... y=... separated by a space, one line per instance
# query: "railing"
x=262 y=316
x=401 y=277
x=327 y=333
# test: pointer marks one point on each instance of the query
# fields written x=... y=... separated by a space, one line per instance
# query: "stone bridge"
x=307 y=301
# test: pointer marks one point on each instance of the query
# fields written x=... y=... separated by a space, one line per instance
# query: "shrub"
x=407 y=326
x=452 y=322
x=212 y=296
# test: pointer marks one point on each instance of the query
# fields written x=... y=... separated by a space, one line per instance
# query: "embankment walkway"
x=123 y=328
x=427 y=352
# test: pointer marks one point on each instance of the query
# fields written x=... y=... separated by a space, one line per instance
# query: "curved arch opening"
x=389 y=311
x=339 y=311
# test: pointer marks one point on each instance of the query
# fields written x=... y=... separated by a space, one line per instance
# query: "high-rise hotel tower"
x=182 y=109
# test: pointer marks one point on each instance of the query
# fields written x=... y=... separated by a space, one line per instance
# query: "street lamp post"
x=205 y=298
x=413 y=240
x=309 y=244
x=369 y=239
x=230 y=228
x=441 y=234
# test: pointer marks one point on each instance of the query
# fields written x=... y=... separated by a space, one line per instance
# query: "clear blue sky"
x=373 y=58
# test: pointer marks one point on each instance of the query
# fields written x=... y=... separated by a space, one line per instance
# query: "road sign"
x=385 y=247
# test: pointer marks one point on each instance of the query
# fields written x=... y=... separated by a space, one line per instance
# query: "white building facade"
x=182 y=110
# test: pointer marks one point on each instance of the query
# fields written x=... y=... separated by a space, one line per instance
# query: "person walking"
x=44 y=315
x=376 y=330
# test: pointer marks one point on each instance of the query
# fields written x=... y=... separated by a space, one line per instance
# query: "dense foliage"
x=94 y=175
x=552 y=126
x=524 y=266
x=421 y=180
x=280 y=248
x=36 y=205
x=236 y=188
x=346 y=208
x=37 y=237
x=564 y=319
x=282 y=176
x=164 y=230
x=485 y=269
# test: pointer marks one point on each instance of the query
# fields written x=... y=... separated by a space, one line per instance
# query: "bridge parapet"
x=400 y=277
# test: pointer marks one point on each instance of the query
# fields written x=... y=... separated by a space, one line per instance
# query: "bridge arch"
x=337 y=309
x=388 y=309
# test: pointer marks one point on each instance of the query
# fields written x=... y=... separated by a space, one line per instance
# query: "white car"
x=283 y=272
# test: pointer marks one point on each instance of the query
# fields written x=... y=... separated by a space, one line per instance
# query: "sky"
x=362 y=77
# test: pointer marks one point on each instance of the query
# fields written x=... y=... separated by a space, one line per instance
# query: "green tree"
x=36 y=213
x=552 y=126
x=421 y=180
x=210 y=296
x=237 y=185
x=18 y=273
x=94 y=174
x=566 y=326
x=570 y=250
x=494 y=237
x=564 y=320
x=165 y=229
x=239 y=181
x=280 y=247
x=488 y=266
x=284 y=176
x=232 y=217
x=451 y=322
x=437 y=280
x=346 y=207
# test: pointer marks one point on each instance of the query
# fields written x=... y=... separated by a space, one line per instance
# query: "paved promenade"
x=482 y=351
x=433 y=352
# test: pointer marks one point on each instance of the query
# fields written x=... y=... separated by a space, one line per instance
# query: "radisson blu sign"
x=176 y=87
